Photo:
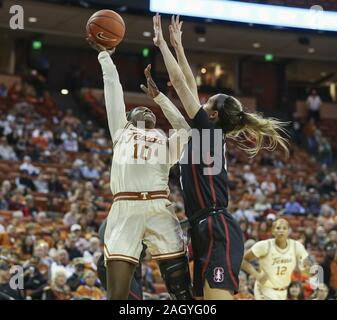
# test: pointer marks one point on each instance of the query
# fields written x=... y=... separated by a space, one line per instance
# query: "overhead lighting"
x=32 y=19
x=311 y=50
x=201 y=39
x=314 y=18
x=203 y=70
x=256 y=45
x=147 y=34
x=64 y=92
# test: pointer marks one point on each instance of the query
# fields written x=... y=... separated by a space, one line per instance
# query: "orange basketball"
x=106 y=27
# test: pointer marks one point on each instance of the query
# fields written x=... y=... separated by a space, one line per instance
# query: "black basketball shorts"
x=218 y=250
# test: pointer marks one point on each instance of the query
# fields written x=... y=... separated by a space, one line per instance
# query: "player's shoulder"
x=266 y=242
x=262 y=247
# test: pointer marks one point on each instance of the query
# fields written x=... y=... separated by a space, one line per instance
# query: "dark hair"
x=297 y=284
x=252 y=127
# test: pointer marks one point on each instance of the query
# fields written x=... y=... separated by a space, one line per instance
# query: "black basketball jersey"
x=203 y=167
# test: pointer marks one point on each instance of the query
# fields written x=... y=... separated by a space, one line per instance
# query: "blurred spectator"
x=61 y=259
x=70 y=119
x=89 y=290
x=293 y=207
x=3 y=90
x=94 y=247
x=325 y=152
x=27 y=247
x=268 y=186
x=314 y=104
x=261 y=205
x=28 y=167
x=6 y=151
x=58 y=290
x=71 y=248
x=244 y=213
x=25 y=181
x=41 y=184
x=71 y=217
x=249 y=176
x=70 y=140
x=295 y=291
x=81 y=243
x=89 y=172
x=297 y=130
x=74 y=281
x=33 y=278
x=329 y=266
x=76 y=172
x=29 y=210
x=55 y=186
x=321 y=292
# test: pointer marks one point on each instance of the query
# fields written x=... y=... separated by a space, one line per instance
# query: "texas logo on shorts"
x=218 y=274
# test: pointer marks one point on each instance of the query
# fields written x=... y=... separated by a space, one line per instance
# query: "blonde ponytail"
x=260 y=133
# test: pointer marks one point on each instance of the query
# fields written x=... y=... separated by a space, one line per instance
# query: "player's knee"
x=176 y=275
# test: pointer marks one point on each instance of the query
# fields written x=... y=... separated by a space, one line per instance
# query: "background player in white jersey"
x=277 y=257
x=141 y=210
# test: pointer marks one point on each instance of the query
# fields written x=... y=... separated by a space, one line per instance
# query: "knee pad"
x=177 y=278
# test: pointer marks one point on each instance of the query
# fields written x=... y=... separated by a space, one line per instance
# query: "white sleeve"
x=178 y=140
x=171 y=112
x=261 y=248
x=176 y=145
x=113 y=94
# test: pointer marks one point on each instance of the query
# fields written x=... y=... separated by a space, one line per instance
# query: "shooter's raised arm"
x=113 y=91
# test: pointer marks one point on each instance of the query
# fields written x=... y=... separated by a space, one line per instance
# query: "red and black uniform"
x=216 y=237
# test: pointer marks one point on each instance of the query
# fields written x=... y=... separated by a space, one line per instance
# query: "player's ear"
x=214 y=115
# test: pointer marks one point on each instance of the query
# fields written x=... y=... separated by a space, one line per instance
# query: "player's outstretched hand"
x=98 y=47
x=158 y=39
x=175 y=32
x=151 y=89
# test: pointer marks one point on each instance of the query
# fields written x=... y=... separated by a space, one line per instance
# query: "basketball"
x=106 y=27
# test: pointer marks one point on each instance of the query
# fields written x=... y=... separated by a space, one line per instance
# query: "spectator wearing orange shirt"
x=89 y=290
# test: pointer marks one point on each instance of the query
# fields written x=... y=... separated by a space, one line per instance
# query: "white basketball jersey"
x=139 y=162
x=278 y=264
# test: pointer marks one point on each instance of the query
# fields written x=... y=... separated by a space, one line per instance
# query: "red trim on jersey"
x=210 y=231
x=228 y=258
x=137 y=297
x=211 y=183
x=196 y=183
